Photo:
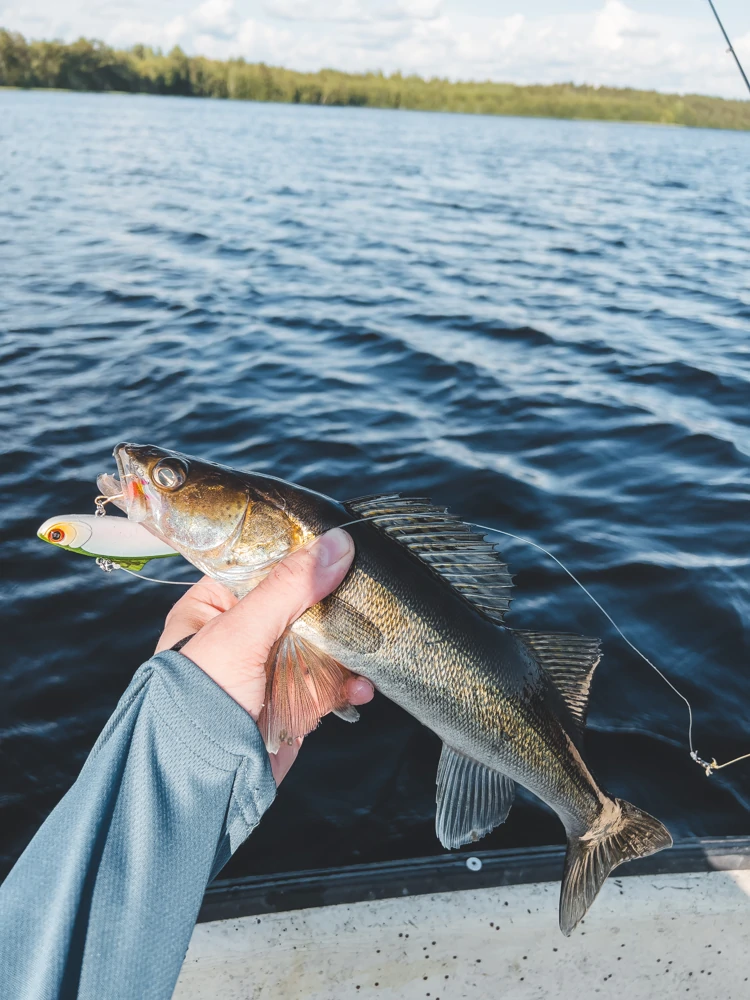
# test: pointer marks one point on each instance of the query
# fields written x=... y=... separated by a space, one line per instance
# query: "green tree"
x=90 y=65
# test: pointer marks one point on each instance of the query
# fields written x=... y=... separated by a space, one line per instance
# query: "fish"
x=421 y=614
x=117 y=539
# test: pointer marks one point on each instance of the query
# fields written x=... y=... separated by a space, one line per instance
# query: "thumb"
x=294 y=585
x=233 y=647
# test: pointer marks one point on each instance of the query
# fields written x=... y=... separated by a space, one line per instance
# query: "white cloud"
x=353 y=11
x=217 y=18
x=610 y=25
x=131 y=32
x=742 y=48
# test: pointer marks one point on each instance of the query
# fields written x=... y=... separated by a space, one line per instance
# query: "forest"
x=93 y=66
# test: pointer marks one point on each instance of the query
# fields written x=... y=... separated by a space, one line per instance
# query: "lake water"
x=543 y=324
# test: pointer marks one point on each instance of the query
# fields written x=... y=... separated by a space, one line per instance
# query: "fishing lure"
x=116 y=540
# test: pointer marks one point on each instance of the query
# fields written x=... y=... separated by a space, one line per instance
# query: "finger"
x=205 y=600
x=210 y=592
x=300 y=581
x=296 y=584
x=359 y=690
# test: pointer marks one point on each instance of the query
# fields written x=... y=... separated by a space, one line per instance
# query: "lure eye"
x=62 y=533
x=169 y=474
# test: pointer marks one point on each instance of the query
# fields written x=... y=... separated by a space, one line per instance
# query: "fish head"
x=234 y=526
x=65 y=532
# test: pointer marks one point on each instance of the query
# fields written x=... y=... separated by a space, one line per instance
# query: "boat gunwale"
x=262 y=894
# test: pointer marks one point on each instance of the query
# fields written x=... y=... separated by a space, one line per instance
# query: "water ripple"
x=542 y=324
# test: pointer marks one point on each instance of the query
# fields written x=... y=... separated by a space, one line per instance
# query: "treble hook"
x=101 y=500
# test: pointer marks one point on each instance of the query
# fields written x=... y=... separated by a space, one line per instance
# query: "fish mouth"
x=122 y=461
x=126 y=490
x=133 y=479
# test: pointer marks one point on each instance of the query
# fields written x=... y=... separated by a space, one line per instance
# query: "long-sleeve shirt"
x=102 y=903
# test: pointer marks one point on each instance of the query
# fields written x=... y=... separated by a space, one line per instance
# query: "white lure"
x=116 y=539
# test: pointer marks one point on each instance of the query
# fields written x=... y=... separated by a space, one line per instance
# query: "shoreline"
x=90 y=66
x=530 y=116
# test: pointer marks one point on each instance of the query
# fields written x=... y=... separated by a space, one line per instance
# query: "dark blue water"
x=544 y=325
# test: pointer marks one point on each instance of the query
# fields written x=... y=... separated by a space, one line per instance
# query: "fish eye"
x=169 y=474
x=56 y=535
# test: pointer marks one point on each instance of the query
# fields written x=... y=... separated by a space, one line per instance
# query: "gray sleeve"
x=103 y=901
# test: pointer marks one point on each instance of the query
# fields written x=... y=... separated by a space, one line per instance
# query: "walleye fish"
x=421 y=613
x=115 y=538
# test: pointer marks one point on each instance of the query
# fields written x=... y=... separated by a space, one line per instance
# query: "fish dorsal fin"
x=471 y=799
x=302 y=684
x=570 y=660
x=471 y=565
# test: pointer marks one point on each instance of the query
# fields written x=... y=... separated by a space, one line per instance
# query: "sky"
x=668 y=45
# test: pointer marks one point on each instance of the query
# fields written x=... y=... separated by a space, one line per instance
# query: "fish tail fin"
x=590 y=859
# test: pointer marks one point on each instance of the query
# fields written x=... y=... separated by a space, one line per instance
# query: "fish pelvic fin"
x=302 y=684
x=570 y=661
x=471 y=799
x=589 y=860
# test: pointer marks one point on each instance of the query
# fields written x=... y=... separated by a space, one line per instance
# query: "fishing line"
x=152 y=579
x=709 y=768
x=109 y=566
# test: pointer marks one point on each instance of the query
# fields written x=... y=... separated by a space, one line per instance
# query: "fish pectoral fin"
x=471 y=799
x=590 y=859
x=335 y=619
x=570 y=661
x=302 y=685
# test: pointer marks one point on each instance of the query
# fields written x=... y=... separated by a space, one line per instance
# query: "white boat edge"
x=658 y=935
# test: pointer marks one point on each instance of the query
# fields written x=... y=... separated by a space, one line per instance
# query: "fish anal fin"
x=302 y=684
x=589 y=860
x=447 y=546
x=471 y=799
x=570 y=661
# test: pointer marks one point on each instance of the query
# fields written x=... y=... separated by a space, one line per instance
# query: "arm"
x=103 y=901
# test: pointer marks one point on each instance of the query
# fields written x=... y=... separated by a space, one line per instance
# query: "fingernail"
x=332 y=547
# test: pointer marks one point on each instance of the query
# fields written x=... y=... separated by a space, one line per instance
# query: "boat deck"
x=659 y=935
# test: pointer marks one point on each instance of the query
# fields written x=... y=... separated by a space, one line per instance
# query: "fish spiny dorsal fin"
x=471 y=565
x=570 y=660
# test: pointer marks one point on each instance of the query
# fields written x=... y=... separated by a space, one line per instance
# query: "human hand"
x=233 y=638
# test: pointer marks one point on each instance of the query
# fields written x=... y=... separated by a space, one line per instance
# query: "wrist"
x=244 y=683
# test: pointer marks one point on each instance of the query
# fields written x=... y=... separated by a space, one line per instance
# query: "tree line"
x=91 y=65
